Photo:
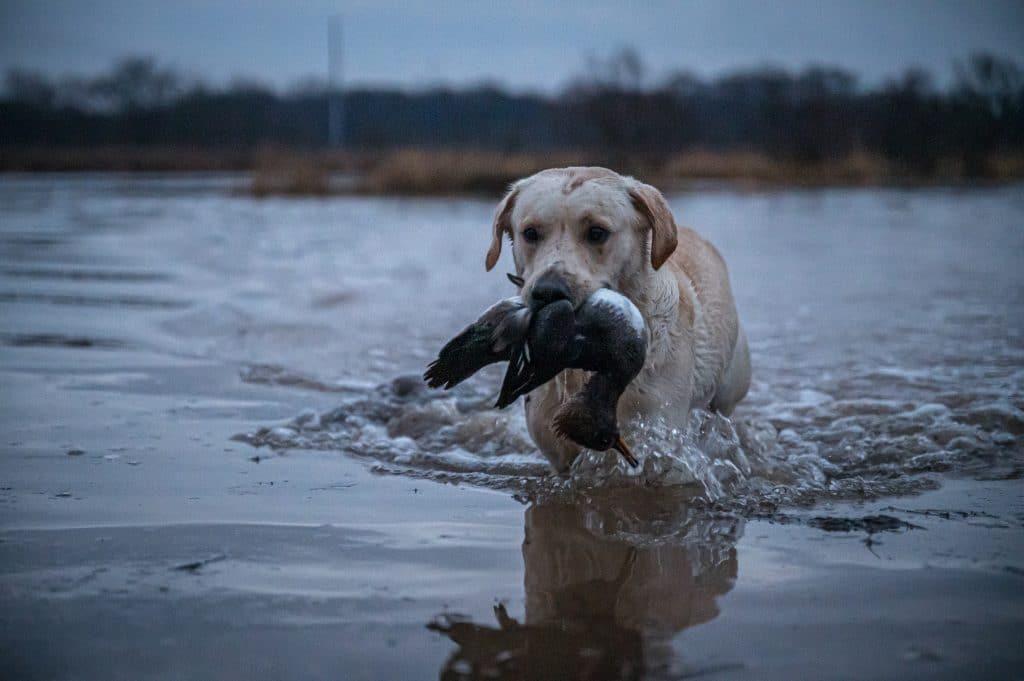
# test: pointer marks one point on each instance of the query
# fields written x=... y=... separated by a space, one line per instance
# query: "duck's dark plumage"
x=544 y=353
x=589 y=418
x=606 y=336
x=492 y=338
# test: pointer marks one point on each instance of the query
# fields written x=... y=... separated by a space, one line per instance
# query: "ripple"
x=781 y=452
x=45 y=273
x=54 y=340
x=78 y=300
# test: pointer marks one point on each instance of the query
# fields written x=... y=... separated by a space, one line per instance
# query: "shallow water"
x=886 y=328
x=196 y=378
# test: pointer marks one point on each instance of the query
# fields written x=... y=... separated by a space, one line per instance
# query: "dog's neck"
x=656 y=296
x=658 y=387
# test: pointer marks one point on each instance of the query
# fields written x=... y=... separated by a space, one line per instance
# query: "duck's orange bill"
x=622 y=448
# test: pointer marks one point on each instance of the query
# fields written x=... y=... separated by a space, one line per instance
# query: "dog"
x=575 y=230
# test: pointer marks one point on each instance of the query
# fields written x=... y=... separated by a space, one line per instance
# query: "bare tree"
x=137 y=83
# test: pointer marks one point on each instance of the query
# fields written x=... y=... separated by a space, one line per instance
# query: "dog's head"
x=575 y=230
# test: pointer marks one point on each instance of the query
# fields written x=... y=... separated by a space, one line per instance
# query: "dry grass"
x=279 y=171
x=440 y=172
x=1006 y=166
x=282 y=173
x=855 y=169
x=446 y=172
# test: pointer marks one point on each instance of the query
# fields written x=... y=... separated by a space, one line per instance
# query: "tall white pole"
x=335 y=95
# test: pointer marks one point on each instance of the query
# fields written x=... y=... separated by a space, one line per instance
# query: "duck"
x=609 y=339
x=606 y=335
x=505 y=332
x=589 y=418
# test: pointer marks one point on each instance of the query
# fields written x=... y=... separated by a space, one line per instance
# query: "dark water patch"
x=869 y=523
x=64 y=274
x=29 y=240
x=941 y=513
x=194 y=566
x=54 y=340
x=336 y=299
x=73 y=300
x=977 y=518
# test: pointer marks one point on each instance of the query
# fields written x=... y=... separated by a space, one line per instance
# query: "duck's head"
x=589 y=419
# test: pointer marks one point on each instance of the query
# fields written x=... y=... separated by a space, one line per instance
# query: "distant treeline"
x=815 y=115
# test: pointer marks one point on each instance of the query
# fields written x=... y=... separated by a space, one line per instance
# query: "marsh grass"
x=423 y=172
x=445 y=172
x=282 y=171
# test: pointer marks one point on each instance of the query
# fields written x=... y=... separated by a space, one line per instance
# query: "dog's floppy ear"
x=502 y=226
x=653 y=208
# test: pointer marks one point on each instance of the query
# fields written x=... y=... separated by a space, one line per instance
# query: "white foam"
x=794 y=440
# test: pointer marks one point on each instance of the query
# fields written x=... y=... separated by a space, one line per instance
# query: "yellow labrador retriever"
x=575 y=230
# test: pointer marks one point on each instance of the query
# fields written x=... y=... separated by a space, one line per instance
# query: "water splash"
x=791 y=451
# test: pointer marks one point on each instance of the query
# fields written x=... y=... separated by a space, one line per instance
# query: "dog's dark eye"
x=531 y=235
x=597 y=235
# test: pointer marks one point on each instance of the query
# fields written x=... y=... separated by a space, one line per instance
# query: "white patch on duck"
x=621 y=304
x=511 y=301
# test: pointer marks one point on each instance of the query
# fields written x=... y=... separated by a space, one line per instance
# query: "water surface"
x=213 y=453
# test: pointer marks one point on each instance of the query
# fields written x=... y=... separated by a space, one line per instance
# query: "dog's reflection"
x=606 y=586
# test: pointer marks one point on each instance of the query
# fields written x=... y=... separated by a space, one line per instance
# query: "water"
x=886 y=326
x=190 y=375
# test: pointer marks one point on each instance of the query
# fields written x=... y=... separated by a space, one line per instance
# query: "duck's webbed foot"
x=623 y=449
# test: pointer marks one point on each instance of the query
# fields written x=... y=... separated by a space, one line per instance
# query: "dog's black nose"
x=549 y=289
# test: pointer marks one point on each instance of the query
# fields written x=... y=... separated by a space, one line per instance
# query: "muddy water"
x=214 y=462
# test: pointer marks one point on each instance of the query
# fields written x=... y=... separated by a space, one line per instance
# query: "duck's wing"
x=511 y=327
x=520 y=376
x=542 y=355
x=487 y=340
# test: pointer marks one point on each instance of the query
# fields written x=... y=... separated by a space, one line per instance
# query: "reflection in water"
x=607 y=586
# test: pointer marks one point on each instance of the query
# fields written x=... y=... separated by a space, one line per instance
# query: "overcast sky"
x=525 y=45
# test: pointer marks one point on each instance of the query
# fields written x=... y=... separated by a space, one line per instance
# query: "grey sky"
x=526 y=45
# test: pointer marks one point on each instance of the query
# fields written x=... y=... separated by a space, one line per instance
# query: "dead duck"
x=505 y=332
x=548 y=347
x=589 y=418
x=614 y=346
x=606 y=335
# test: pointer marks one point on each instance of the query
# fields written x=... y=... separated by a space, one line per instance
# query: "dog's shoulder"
x=707 y=307
x=698 y=259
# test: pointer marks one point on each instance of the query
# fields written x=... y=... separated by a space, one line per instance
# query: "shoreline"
x=272 y=171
